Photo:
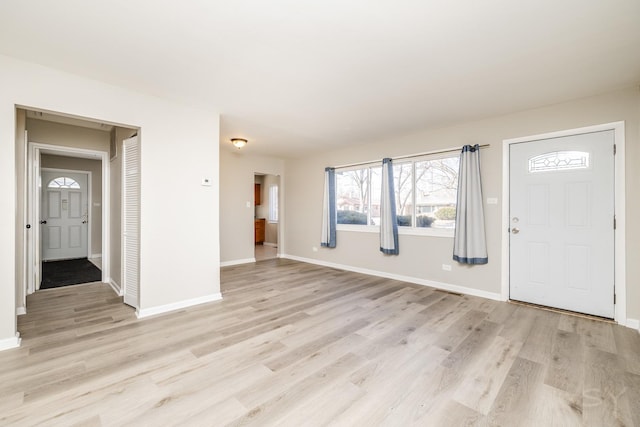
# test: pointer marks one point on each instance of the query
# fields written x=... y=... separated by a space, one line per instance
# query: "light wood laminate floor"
x=294 y=344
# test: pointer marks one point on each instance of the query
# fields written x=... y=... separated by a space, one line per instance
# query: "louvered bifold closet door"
x=131 y=221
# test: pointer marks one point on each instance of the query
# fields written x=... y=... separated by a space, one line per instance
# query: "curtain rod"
x=446 y=150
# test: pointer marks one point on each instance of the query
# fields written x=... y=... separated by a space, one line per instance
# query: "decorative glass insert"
x=63 y=182
x=559 y=160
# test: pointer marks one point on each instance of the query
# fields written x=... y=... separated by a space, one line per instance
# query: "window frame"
x=402 y=230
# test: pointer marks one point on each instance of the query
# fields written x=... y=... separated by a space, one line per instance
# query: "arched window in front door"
x=63 y=182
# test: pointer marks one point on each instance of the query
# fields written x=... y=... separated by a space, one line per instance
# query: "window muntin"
x=425 y=195
x=63 y=182
x=559 y=160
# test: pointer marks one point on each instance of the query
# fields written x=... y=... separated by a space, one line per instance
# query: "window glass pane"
x=273 y=203
x=403 y=183
x=63 y=182
x=436 y=192
x=376 y=192
x=352 y=196
x=559 y=160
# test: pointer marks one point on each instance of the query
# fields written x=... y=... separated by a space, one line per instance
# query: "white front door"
x=562 y=222
x=64 y=215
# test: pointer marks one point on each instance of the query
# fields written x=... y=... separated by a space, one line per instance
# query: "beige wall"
x=237 y=178
x=95 y=167
x=65 y=135
x=422 y=257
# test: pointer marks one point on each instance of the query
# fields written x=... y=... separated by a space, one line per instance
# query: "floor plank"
x=300 y=344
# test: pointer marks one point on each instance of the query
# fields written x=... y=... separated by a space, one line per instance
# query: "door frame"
x=620 y=284
x=33 y=260
x=89 y=200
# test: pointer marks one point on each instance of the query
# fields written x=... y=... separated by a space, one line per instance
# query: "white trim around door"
x=34 y=150
x=620 y=257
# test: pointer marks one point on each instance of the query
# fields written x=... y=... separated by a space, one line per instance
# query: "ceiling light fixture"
x=238 y=142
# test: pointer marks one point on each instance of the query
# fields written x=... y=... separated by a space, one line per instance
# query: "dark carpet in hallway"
x=69 y=272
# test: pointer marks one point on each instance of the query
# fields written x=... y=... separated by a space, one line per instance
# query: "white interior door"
x=64 y=215
x=562 y=222
x=131 y=220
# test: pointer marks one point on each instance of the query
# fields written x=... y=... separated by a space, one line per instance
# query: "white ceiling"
x=294 y=76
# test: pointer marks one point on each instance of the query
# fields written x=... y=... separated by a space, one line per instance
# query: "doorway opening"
x=69 y=186
x=266 y=216
x=70 y=189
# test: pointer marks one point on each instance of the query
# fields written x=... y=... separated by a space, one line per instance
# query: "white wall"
x=237 y=169
x=422 y=257
x=20 y=231
x=176 y=141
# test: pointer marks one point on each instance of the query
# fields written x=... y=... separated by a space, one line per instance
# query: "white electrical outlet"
x=492 y=200
x=314 y=249
x=446 y=267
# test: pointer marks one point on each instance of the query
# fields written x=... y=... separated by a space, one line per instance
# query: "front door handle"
x=43 y=221
x=515 y=230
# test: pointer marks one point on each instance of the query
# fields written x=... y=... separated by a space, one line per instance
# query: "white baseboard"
x=8 y=343
x=20 y=311
x=633 y=324
x=153 y=311
x=409 y=279
x=95 y=256
x=237 y=261
x=273 y=245
x=116 y=288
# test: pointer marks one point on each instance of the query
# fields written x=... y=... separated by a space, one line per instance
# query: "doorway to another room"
x=78 y=195
x=70 y=242
x=266 y=216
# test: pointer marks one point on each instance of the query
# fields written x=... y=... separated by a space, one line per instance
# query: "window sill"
x=403 y=231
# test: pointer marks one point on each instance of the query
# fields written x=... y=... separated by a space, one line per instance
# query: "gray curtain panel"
x=469 y=243
x=388 y=220
x=329 y=217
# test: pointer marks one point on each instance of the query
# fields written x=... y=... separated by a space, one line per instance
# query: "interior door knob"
x=44 y=221
x=515 y=230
